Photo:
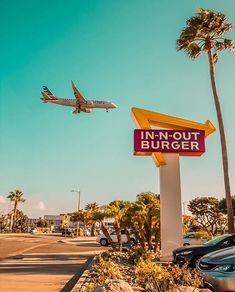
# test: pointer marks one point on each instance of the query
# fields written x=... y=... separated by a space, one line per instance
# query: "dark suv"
x=67 y=232
x=193 y=253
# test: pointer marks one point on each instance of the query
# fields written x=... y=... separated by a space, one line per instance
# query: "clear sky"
x=122 y=51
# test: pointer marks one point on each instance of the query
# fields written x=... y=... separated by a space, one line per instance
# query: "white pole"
x=170 y=206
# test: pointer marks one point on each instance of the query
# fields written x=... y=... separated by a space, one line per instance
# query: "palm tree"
x=91 y=208
x=204 y=34
x=151 y=207
x=16 y=197
x=99 y=215
x=117 y=209
x=134 y=220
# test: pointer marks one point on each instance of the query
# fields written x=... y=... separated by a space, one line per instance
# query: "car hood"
x=188 y=248
x=224 y=256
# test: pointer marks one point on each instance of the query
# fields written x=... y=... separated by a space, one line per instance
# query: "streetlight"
x=79 y=201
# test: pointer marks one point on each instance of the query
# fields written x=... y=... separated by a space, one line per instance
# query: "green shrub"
x=106 y=270
x=182 y=276
x=102 y=272
x=202 y=233
x=138 y=253
x=151 y=276
x=155 y=277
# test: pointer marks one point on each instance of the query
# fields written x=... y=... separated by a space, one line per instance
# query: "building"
x=55 y=220
x=32 y=222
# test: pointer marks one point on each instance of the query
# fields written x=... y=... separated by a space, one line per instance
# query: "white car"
x=192 y=239
x=102 y=240
x=34 y=230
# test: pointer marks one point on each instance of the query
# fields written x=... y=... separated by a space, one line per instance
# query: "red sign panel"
x=184 y=142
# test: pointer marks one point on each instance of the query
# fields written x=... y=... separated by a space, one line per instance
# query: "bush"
x=182 y=276
x=155 y=277
x=107 y=270
x=200 y=234
x=103 y=272
x=138 y=253
x=151 y=276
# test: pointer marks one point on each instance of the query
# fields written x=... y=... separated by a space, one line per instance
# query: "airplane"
x=79 y=103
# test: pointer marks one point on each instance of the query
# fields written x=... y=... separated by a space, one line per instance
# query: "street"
x=42 y=262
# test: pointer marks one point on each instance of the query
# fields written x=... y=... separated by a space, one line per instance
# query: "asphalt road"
x=42 y=262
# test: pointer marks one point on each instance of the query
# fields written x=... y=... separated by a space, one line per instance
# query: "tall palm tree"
x=204 y=34
x=16 y=197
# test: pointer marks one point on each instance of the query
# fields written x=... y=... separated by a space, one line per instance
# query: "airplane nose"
x=114 y=105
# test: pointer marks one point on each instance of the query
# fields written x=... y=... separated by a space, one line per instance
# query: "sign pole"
x=170 y=206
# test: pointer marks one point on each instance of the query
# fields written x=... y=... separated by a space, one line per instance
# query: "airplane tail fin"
x=46 y=91
x=47 y=95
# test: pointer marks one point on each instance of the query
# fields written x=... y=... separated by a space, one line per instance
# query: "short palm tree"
x=99 y=215
x=116 y=210
x=16 y=197
x=90 y=209
x=134 y=219
x=151 y=205
x=204 y=34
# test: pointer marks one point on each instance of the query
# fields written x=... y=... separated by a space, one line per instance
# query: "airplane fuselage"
x=86 y=104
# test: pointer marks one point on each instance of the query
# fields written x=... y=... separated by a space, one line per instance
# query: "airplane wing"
x=77 y=94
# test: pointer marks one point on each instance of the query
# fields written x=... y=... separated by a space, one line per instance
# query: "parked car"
x=218 y=270
x=46 y=230
x=104 y=241
x=193 y=253
x=192 y=238
x=33 y=230
x=67 y=232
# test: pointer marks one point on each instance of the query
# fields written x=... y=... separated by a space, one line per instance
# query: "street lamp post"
x=79 y=202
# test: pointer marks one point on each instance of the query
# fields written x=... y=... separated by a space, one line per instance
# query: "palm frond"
x=205 y=26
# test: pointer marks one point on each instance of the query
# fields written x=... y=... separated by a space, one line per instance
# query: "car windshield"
x=216 y=240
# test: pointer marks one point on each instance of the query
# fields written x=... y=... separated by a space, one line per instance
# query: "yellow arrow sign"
x=144 y=119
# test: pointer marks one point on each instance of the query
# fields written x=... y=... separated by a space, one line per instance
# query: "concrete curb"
x=82 y=279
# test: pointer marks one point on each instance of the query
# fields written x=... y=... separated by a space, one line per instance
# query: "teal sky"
x=122 y=51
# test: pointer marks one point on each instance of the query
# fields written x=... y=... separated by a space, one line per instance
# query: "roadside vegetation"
x=142 y=219
x=142 y=273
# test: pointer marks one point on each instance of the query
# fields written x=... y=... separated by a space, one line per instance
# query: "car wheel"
x=104 y=242
x=209 y=287
x=133 y=241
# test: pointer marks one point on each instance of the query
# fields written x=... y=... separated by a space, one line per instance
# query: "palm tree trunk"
x=128 y=236
x=107 y=235
x=138 y=237
x=156 y=239
x=93 y=229
x=141 y=235
x=14 y=214
x=119 y=236
x=223 y=145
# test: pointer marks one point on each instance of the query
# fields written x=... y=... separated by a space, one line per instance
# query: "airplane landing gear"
x=107 y=110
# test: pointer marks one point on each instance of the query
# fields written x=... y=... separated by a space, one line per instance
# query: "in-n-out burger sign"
x=184 y=142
